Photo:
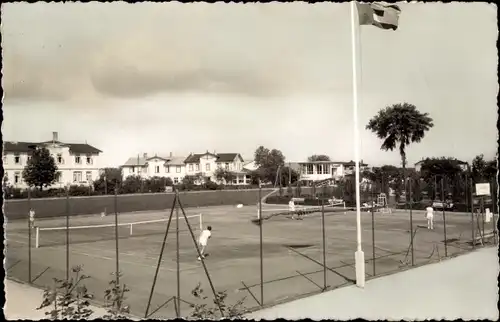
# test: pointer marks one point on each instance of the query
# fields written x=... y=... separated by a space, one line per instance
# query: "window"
x=190 y=168
x=60 y=159
x=326 y=169
x=131 y=170
x=17 y=159
x=235 y=181
x=178 y=169
x=310 y=169
x=78 y=160
x=17 y=177
x=241 y=180
x=176 y=180
x=59 y=176
x=303 y=169
x=88 y=175
x=226 y=166
x=197 y=167
x=77 y=176
x=157 y=169
x=167 y=169
x=89 y=160
x=29 y=158
x=319 y=168
x=207 y=167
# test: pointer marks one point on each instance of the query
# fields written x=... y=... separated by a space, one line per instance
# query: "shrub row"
x=81 y=190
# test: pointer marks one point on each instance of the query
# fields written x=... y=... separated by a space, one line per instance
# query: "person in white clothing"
x=291 y=208
x=32 y=217
x=203 y=240
x=430 y=217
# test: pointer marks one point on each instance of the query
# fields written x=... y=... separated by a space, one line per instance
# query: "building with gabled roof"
x=77 y=163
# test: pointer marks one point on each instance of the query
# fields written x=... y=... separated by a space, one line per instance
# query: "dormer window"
x=78 y=159
x=60 y=159
x=17 y=159
x=89 y=159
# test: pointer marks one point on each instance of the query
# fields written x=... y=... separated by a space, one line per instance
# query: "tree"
x=483 y=170
x=109 y=179
x=224 y=175
x=288 y=174
x=400 y=125
x=268 y=162
x=132 y=184
x=318 y=157
x=41 y=170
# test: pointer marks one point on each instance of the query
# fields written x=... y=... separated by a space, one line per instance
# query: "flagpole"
x=359 y=256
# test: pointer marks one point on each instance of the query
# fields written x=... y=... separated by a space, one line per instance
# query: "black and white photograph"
x=259 y=160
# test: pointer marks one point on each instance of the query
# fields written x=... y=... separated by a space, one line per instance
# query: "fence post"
x=324 y=241
x=29 y=235
x=261 y=255
x=67 y=232
x=37 y=237
x=471 y=191
x=411 y=221
x=373 y=230
x=444 y=218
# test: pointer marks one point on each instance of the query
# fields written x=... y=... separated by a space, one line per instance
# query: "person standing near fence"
x=430 y=216
x=32 y=217
x=291 y=208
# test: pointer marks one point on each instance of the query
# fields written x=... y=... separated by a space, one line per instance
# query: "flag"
x=384 y=16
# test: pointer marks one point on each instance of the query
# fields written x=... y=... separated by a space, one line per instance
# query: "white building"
x=322 y=170
x=176 y=168
x=77 y=163
x=205 y=165
x=166 y=166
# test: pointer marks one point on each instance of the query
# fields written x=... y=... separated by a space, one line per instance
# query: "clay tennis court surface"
x=292 y=253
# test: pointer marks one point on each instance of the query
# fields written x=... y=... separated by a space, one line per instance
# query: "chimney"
x=170 y=154
x=54 y=136
x=145 y=155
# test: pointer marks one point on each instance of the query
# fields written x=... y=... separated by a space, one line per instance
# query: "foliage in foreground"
x=71 y=300
x=205 y=311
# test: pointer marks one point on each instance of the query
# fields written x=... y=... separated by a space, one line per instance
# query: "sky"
x=181 y=78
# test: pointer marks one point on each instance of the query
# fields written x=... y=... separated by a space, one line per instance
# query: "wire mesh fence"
x=260 y=254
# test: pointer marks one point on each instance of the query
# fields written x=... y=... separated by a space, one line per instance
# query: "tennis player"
x=291 y=208
x=203 y=240
x=32 y=217
x=430 y=216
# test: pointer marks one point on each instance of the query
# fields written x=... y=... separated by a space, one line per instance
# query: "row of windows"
x=320 y=169
x=77 y=176
x=59 y=159
x=178 y=168
x=157 y=169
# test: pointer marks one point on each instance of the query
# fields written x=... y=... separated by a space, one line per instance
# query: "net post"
x=37 y=237
x=131 y=225
x=201 y=222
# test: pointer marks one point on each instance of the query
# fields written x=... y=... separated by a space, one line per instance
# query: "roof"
x=221 y=157
x=228 y=157
x=21 y=147
x=141 y=161
x=456 y=160
x=135 y=161
x=350 y=163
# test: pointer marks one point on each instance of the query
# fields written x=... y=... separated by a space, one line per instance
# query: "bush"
x=80 y=190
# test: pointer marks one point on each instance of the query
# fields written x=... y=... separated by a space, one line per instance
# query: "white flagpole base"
x=359 y=261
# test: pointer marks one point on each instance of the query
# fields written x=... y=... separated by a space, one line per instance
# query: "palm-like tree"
x=400 y=125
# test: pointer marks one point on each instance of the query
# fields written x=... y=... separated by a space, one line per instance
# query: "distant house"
x=77 y=163
x=205 y=165
x=202 y=165
x=166 y=166
x=311 y=171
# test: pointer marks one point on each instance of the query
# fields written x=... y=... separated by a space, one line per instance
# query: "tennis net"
x=52 y=236
x=269 y=212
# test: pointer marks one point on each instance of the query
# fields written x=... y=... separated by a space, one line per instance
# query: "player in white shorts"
x=203 y=240
x=291 y=208
x=430 y=217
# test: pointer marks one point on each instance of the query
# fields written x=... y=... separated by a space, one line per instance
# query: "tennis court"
x=292 y=253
